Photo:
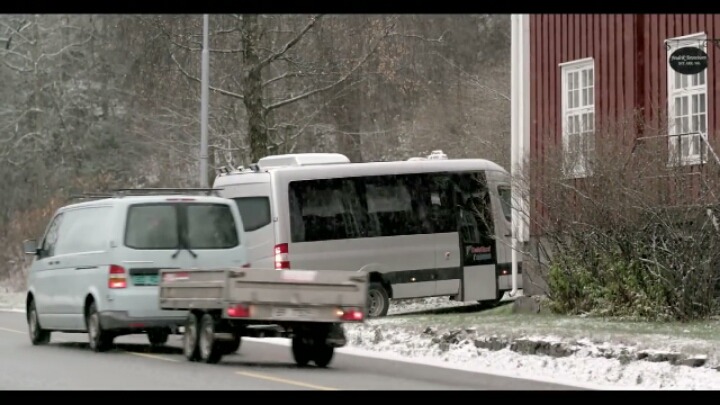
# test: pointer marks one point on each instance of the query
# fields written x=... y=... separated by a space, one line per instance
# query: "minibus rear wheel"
x=158 y=337
x=378 y=300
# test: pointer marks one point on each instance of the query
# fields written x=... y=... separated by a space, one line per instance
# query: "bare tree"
x=93 y=102
x=260 y=60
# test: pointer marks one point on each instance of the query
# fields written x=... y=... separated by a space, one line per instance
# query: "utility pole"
x=204 y=94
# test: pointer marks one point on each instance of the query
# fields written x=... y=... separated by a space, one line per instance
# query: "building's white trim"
x=519 y=135
x=565 y=69
x=689 y=37
x=520 y=120
x=576 y=62
x=674 y=43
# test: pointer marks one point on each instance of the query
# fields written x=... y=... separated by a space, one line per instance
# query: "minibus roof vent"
x=301 y=159
x=434 y=155
x=437 y=155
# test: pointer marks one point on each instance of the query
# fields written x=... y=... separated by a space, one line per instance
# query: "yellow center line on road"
x=245 y=373
x=152 y=356
x=285 y=381
x=242 y=373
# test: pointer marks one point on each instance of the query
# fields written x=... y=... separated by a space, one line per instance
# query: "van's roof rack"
x=89 y=196
x=121 y=192
x=118 y=192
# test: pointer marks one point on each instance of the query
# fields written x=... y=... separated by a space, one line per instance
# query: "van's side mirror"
x=30 y=247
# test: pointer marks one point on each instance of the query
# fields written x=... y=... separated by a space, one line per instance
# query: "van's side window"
x=505 y=200
x=51 y=238
x=255 y=212
x=83 y=230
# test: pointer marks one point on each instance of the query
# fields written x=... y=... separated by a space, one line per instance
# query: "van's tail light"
x=238 y=311
x=282 y=260
x=350 y=314
x=117 y=277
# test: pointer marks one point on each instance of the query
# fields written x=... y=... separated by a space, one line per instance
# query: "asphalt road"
x=67 y=363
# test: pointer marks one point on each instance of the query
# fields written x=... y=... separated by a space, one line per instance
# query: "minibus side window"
x=473 y=203
x=443 y=209
x=329 y=210
x=391 y=208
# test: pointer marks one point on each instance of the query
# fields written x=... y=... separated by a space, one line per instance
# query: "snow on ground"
x=580 y=369
x=11 y=300
x=571 y=350
x=434 y=303
x=416 y=305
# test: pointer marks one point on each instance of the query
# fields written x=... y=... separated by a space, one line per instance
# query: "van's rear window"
x=162 y=226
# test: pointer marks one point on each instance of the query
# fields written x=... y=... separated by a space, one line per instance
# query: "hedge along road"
x=68 y=363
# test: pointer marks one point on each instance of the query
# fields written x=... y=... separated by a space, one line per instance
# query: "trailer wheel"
x=302 y=352
x=210 y=349
x=322 y=354
x=190 y=338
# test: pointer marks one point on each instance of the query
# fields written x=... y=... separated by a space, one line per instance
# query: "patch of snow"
x=586 y=367
x=407 y=306
x=422 y=304
x=463 y=366
x=11 y=300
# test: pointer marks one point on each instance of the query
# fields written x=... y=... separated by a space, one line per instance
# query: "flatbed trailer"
x=226 y=304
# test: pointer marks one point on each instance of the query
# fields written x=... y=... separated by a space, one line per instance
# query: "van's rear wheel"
x=100 y=340
x=378 y=300
x=190 y=338
x=211 y=350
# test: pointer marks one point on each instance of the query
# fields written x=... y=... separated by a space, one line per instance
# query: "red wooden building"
x=578 y=70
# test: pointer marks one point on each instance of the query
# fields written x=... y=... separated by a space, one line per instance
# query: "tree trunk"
x=252 y=88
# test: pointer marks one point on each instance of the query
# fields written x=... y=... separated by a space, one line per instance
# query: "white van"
x=96 y=268
x=420 y=228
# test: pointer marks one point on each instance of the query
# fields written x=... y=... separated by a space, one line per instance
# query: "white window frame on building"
x=687 y=107
x=578 y=116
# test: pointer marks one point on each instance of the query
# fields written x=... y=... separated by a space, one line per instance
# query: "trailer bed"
x=307 y=306
x=269 y=295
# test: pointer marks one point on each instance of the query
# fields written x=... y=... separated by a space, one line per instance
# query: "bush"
x=637 y=237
